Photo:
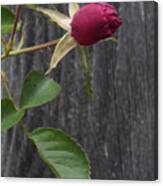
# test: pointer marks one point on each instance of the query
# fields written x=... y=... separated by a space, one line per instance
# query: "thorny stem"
x=86 y=64
x=30 y=49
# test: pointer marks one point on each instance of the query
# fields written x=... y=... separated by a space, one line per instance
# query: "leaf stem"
x=5 y=85
x=24 y=129
x=30 y=49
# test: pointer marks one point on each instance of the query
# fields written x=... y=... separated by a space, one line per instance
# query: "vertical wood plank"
x=117 y=127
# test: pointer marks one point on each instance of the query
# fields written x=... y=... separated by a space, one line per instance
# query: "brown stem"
x=18 y=9
x=30 y=49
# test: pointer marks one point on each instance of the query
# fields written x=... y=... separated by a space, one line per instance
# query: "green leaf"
x=61 y=153
x=38 y=90
x=7 y=20
x=61 y=19
x=10 y=116
x=5 y=29
x=65 y=45
x=73 y=8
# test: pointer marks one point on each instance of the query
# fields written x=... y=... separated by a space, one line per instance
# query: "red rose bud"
x=94 y=22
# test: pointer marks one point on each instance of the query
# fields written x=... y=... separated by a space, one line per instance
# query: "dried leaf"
x=65 y=44
x=73 y=8
x=61 y=19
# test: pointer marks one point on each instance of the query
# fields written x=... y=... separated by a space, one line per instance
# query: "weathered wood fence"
x=117 y=127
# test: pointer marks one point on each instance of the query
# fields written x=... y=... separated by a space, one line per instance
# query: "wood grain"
x=118 y=128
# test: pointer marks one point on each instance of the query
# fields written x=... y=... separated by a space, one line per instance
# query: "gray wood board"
x=118 y=128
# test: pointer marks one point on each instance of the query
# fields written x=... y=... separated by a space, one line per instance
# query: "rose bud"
x=94 y=22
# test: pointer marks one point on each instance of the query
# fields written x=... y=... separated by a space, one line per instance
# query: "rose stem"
x=10 y=43
x=31 y=49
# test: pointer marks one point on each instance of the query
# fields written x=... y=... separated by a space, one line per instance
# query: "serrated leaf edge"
x=71 y=138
